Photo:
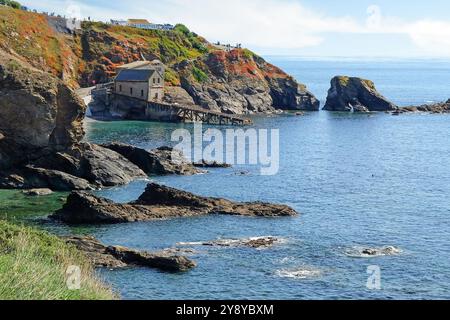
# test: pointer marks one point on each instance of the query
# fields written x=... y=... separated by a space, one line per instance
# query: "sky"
x=329 y=28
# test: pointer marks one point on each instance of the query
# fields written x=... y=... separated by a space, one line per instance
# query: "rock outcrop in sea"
x=158 y=202
x=121 y=257
x=351 y=94
x=439 y=107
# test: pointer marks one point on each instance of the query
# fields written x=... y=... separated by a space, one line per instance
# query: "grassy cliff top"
x=33 y=266
x=345 y=81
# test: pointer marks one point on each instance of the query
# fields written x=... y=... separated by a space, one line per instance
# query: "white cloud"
x=431 y=36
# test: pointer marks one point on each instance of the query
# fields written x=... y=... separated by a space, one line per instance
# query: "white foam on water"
x=367 y=252
x=299 y=273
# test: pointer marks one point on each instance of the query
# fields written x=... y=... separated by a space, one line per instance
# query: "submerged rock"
x=356 y=94
x=120 y=257
x=211 y=164
x=38 y=192
x=161 y=161
x=158 y=202
x=257 y=242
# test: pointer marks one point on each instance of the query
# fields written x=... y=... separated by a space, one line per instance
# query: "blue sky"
x=370 y=28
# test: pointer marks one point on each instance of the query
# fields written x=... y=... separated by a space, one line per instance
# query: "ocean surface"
x=359 y=181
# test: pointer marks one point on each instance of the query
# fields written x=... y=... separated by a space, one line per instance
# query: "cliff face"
x=241 y=82
x=235 y=82
x=38 y=113
x=356 y=94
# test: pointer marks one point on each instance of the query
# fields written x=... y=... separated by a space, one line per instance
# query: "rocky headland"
x=239 y=82
x=158 y=202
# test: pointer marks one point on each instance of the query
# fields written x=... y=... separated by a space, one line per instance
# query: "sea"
x=359 y=182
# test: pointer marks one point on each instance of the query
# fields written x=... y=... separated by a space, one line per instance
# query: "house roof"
x=135 y=65
x=135 y=75
x=138 y=21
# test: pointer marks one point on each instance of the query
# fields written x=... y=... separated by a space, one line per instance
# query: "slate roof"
x=138 y=21
x=138 y=75
x=136 y=65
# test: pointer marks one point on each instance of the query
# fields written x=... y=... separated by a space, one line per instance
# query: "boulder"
x=161 y=161
x=158 y=202
x=349 y=94
x=86 y=167
x=31 y=177
x=120 y=257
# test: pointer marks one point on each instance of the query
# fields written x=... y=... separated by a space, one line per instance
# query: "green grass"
x=33 y=266
x=199 y=75
x=10 y=3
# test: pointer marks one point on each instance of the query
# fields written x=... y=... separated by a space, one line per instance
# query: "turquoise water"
x=358 y=181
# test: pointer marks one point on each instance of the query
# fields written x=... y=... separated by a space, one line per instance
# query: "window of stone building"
x=120 y=88
x=131 y=91
x=142 y=93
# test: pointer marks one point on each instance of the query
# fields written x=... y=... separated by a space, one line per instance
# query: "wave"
x=299 y=273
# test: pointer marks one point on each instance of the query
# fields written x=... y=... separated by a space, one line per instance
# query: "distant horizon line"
x=359 y=57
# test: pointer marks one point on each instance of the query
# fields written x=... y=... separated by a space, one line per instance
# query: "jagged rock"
x=105 y=167
x=158 y=202
x=178 y=95
x=31 y=177
x=119 y=257
x=161 y=161
x=440 y=107
x=241 y=82
x=355 y=94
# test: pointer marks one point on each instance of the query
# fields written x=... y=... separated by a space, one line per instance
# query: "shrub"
x=199 y=74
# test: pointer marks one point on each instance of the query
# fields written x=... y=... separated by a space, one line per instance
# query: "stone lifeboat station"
x=137 y=93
